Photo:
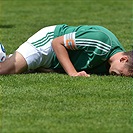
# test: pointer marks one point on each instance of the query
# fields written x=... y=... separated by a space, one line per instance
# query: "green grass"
x=56 y=103
x=49 y=103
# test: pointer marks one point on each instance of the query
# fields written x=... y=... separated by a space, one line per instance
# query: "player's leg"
x=34 y=53
x=13 y=65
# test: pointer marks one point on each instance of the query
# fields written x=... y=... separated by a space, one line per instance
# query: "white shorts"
x=37 y=50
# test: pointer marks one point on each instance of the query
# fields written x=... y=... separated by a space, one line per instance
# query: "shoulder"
x=93 y=35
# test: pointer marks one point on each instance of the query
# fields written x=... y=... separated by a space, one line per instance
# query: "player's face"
x=119 y=68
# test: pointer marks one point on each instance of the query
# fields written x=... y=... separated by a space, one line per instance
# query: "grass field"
x=57 y=103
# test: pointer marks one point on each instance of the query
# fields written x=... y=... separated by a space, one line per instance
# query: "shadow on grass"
x=6 y=26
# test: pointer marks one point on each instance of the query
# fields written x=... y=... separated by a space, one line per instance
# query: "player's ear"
x=124 y=59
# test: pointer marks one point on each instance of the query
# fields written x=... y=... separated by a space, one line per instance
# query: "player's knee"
x=7 y=67
x=0 y=69
x=3 y=69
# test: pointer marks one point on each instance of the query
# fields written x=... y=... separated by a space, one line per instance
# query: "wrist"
x=73 y=74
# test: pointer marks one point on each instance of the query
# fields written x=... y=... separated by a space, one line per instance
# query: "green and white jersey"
x=89 y=47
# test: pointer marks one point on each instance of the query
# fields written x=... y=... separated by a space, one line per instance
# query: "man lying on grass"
x=79 y=51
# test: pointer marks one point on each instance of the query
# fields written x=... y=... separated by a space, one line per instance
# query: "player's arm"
x=63 y=57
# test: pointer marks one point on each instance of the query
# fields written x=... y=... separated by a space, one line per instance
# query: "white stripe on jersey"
x=93 y=43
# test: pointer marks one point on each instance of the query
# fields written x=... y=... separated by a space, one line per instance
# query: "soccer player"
x=77 y=50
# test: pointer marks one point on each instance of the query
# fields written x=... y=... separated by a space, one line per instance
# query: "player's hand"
x=82 y=73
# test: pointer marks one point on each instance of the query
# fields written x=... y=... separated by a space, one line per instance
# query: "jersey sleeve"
x=91 y=41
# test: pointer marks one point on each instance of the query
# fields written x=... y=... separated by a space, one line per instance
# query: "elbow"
x=53 y=43
x=57 y=42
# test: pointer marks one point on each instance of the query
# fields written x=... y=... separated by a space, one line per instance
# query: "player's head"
x=123 y=65
x=129 y=63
